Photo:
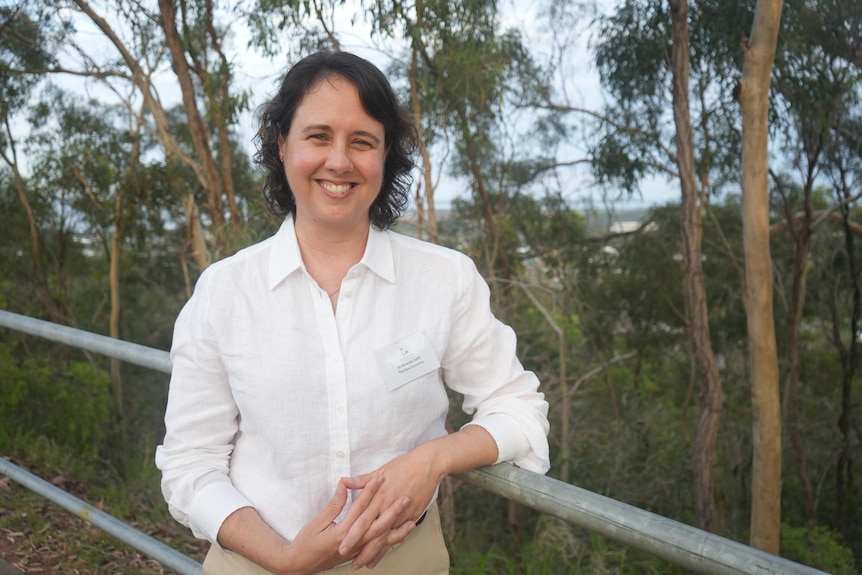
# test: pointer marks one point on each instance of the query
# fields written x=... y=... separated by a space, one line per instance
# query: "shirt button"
x=340 y=408
x=339 y=453
x=348 y=294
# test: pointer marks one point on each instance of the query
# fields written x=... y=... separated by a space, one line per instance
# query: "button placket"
x=336 y=386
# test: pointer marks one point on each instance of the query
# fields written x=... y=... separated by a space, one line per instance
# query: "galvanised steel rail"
x=675 y=542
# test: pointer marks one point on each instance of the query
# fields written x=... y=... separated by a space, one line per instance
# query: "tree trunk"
x=43 y=289
x=196 y=245
x=424 y=209
x=711 y=395
x=759 y=52
x=483 y=197
x=204 y=167
x=114 y=281
x=799 y=230
x=220 y=98
x=849 y=357
x=214 y=204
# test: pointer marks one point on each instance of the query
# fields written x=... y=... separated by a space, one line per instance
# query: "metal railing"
x=675 y=542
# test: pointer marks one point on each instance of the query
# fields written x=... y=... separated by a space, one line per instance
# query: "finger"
x=369 y=526
x=371 y=553
x=366 y=496
x=332 y=509
x=359 y=517
x=393 y=537
x=373 y=563
x=356 y=534
x=359 y=481
x=396 y=536
x=392 y=516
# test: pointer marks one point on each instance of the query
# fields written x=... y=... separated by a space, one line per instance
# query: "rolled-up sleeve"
x=201 y=424
x=481 y=363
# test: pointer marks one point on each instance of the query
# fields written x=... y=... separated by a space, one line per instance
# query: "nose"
x=338 y=159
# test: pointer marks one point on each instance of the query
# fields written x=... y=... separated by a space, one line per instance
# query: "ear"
x=281 y=147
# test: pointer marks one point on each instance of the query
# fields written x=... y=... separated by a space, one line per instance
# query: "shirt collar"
x=285 y=257
x=378 y=255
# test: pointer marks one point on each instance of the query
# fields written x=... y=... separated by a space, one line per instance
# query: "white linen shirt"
x=273 y=397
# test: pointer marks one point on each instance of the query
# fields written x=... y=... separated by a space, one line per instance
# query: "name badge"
x=407 y=359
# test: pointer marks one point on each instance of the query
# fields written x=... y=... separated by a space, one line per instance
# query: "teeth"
x=338 y=189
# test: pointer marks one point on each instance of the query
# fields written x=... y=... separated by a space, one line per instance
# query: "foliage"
x=548 y=547
x=67 y=403
x=818 y=547
x=28 y=43
x=636 y=130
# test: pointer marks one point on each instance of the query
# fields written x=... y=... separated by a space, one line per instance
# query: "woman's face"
x=333 y=156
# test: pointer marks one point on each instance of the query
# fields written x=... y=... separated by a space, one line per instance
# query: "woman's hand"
x=317 y=545
x=410 y=475
x=415 y=475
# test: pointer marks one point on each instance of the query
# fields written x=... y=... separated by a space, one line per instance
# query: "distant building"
x=623 y=227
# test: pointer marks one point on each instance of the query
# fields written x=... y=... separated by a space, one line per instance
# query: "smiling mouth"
x=336 y=189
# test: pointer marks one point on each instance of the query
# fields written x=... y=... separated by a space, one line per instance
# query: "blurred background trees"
x=126 y=169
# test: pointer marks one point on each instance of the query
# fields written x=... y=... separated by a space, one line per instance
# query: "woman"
x=306 y=413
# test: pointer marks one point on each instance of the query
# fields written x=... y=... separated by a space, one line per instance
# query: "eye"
x=318 y=137
x=363 y=144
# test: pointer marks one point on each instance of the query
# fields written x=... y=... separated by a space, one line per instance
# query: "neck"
x=331 y=244
x=329 y=254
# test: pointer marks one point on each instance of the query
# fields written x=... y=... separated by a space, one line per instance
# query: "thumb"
x=360 y=481
x=333 y=507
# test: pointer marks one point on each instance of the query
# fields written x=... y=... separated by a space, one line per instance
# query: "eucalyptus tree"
x=692 y=211
x=138 y=50
x=753 y=93
x=811 y=86
x=833 y=298
x=668 y=86
x=27 y=40
x=467 y=77
x=839 y=36
x=86 y=158
x=815 y=99
x=469 y=81
x=815 y=87
x=846 y=178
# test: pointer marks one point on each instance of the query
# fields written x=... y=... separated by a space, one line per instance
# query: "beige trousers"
x=422 y=553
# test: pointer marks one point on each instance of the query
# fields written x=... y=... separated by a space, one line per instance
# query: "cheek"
x=300 y=163
x=374 y=168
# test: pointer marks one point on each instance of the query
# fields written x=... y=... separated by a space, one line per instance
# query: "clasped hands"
x=382 y=515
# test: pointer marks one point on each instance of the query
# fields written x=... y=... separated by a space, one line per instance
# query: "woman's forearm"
x=470 y=447
x=245 y=532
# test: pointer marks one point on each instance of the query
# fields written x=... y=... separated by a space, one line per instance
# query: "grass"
x=38 y=536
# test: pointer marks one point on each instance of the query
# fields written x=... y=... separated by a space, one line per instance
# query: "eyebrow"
x=326 y=128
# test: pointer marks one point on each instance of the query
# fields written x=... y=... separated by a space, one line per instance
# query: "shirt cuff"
x=212 y=505
x=511 y=443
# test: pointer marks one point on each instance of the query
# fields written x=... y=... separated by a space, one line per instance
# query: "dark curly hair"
x=379 y=101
